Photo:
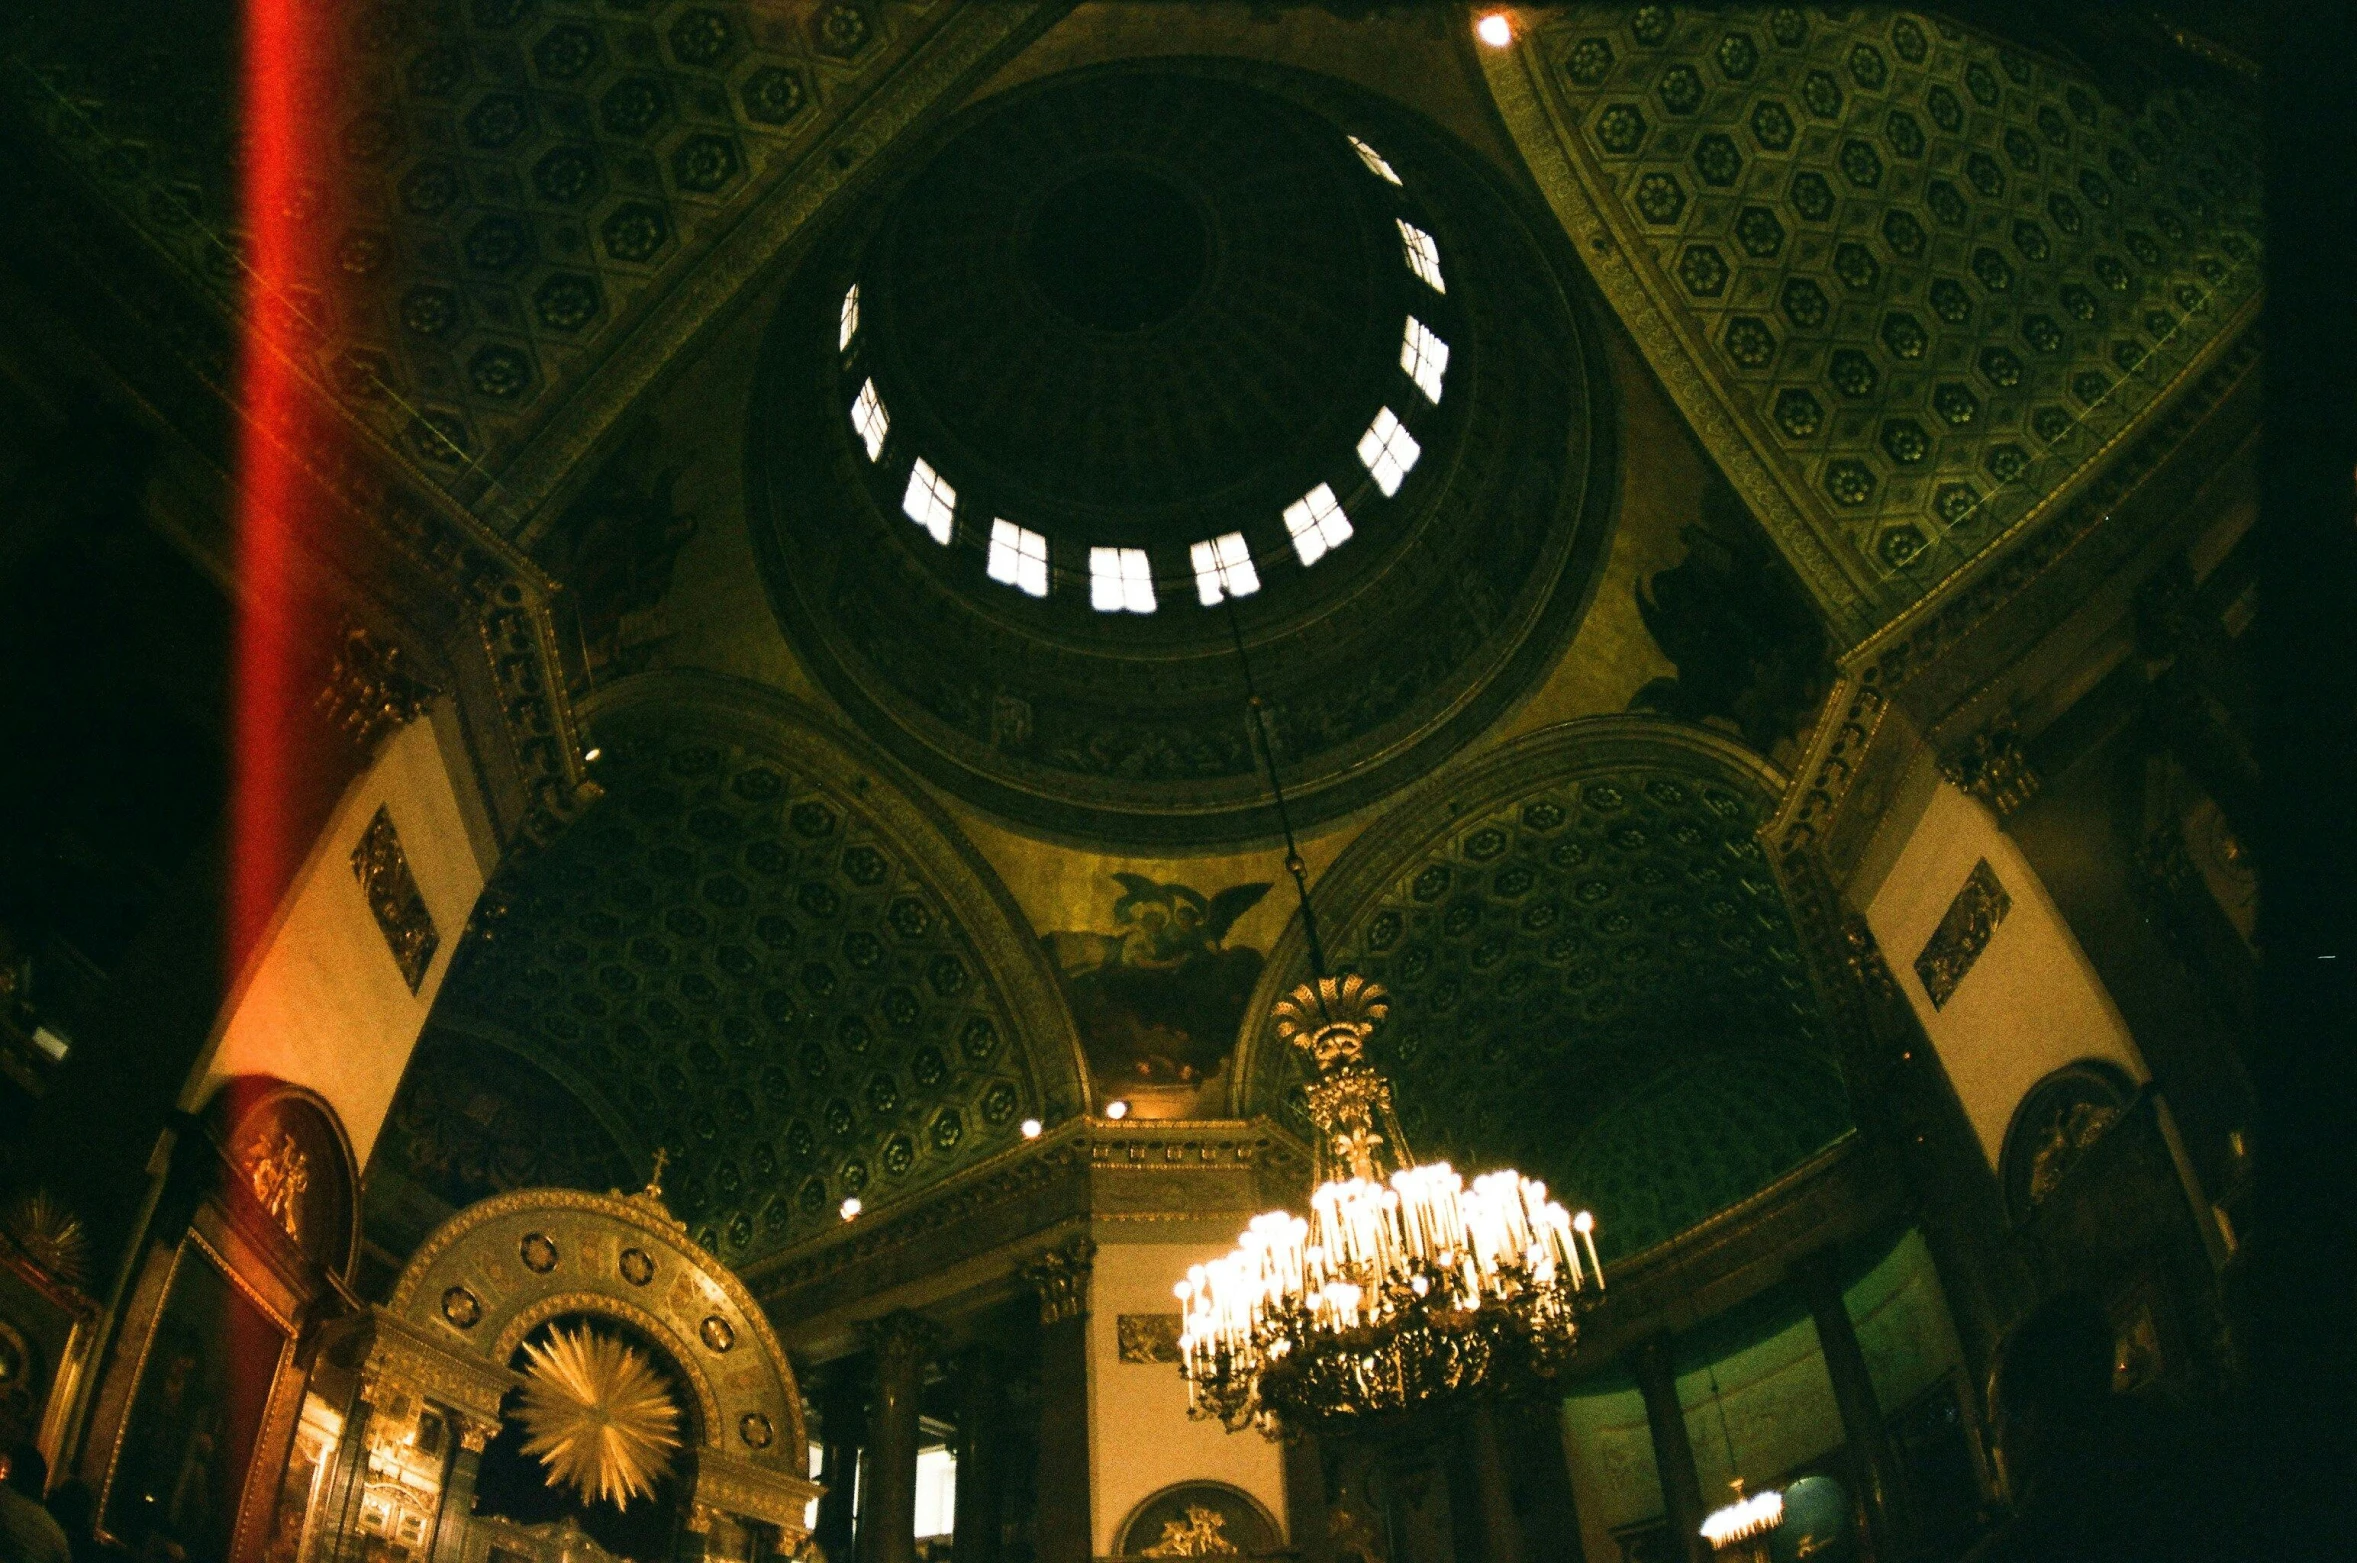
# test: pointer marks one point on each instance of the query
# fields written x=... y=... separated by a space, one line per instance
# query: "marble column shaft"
x=842 y=1431
x=1673 y=1450
x=901 y=1344
x=1062 y=1523
x=1872 y=1466
x=976 y=1528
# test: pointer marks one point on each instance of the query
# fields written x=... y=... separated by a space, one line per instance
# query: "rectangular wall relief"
x=1962 y=934
x=1148 y=1337
x=401 y=915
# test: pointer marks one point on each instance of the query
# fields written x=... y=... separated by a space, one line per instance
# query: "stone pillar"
x=1493 y=1492
x=976 y=1528
x=1873 y=1472
x=842 y=1426
x=1063 y=1523
x=1306 y=1500
x=1673 y=1451
x=458 y=1489
x=1539 y=1463
x=901 y=1344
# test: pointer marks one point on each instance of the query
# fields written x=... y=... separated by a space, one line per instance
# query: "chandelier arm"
x=1258 y=709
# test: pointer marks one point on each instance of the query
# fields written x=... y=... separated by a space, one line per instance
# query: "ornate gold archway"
x=497 y=1271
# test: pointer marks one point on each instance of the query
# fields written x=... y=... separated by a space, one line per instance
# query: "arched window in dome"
x=850 y=319
x=1019 y=557
x=870 y=419
x=1423 y=253
x=1120 y=580
x=1317 y=523
x=1425 y=357
x=1223 y=568
x=930 y=502
x=1374 y=160
x=1388 y=450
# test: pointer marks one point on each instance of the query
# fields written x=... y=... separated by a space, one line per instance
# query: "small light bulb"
x=1031 y=1128
x=1583 y=1222
x=590 y=758
x=1117 y=1110
x=851 y=1207
x=1494 y=30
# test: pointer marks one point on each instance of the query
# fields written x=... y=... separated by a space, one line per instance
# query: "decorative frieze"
x=1962 y=934
x=1147 y=1337
x=394 y=899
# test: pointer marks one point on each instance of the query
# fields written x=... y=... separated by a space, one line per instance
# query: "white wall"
x=323 y=1003
x=2030 y=1004
x=1143 y=1439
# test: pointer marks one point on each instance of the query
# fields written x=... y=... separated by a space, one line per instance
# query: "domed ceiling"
x=1909 y=282
x=761 y=954
x=1594 y=976
x=1137 y=363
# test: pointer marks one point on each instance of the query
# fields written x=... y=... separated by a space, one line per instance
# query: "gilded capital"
x=1994 y=768
x=372 y=689
x=902 y=1340
x=1060 y=1276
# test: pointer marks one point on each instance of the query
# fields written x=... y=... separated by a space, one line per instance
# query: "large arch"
x=1595 y=975
x=770 y=954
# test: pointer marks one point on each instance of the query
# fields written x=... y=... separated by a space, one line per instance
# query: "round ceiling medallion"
x=1140 y=362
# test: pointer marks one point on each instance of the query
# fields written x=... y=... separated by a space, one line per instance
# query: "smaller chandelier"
x=1742 y=1526
x=1403 y=1286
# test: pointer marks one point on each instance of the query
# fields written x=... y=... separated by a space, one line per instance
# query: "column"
x=1063 y=1521
x=458 y=1489
x=1673 y=1451
x=1306 y=1501
x=1873 y=1472
x=1531 y=1437
x=901 y=1344
x=1493 y=1492
x=980 y=1520
x=842 y=1426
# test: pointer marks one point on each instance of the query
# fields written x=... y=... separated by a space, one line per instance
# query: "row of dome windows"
x=1121 y=580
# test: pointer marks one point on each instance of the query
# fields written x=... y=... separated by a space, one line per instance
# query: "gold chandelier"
x=1403 y=1286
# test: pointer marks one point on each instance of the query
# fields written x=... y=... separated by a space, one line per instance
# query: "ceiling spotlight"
x=1031 y=1128
x=851 y=1207
x=1117 y=1110
x=1494 y=30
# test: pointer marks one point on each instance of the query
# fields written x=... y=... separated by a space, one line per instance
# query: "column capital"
x=900 y=1339
x=1060 y=1276
x=1993 y=767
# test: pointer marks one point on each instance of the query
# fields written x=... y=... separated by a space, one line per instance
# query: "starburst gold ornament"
x=598 y=1415
x=50 y=1235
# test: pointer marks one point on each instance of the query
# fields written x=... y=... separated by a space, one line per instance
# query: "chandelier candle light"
x=1403 y=1286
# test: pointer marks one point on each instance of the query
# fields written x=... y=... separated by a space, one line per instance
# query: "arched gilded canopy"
x=769 y=954
x=1594 y=975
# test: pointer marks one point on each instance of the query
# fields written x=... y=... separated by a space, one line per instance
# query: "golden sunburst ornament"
x=598 y=1414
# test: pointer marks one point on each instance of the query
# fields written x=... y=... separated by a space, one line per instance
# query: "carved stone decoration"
x=279 y=1173
x=393 y=897
x=1864 y=958
x=1061 y=1276
x=1148 y=1337
x=371 y=690
x=1962 y=934
x=2058 y=1123
x=1993 y=768
x=1199 y=1519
